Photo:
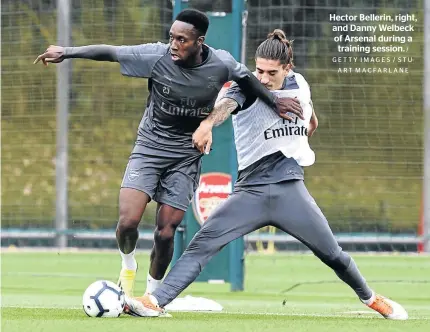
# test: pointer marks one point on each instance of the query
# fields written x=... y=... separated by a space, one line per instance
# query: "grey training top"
x=181 y=97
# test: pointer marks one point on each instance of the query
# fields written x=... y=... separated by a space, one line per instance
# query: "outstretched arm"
x=202 y=137
x=93 y=52
x=135 y=60
x=251 y=86
x=56 y=54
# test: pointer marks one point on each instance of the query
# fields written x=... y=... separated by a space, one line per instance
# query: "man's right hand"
x=54 y=54
x=289 y=105
x=202 y=137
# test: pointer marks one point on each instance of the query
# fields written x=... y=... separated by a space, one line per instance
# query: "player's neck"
x=196 y=60
x=279 y=87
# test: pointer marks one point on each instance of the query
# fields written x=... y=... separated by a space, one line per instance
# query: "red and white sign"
x=213 y=189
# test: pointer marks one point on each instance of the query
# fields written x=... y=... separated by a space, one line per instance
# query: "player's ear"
x=200 y=40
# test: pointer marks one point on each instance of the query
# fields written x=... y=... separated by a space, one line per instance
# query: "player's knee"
x=166 y=232
x=166 y=227
x=127 y=221
x=163 y=236
x=338 y=261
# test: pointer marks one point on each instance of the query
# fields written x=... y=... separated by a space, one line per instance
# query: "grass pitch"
x=43 y=291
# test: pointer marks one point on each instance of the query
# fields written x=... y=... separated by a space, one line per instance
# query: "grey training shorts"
x=167 y=178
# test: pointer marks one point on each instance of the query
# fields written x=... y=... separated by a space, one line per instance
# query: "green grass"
x=42 y=292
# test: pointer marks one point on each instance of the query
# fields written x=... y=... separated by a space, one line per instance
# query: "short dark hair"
x=196 y=18
x=276 y=47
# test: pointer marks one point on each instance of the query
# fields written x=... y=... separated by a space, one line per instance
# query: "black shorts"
x=170 y=180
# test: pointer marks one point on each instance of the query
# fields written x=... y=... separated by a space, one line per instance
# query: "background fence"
x=369 y=171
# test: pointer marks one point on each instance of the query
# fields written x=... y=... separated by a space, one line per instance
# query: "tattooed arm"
x=202 y=137
x=222 y=111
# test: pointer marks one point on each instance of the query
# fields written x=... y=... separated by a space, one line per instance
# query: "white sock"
x=371 y=300
x=128 y=260
x=151 y=284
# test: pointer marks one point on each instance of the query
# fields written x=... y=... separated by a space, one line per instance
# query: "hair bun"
x=277 y=34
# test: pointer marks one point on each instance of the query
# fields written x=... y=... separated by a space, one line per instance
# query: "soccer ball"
x=103 y=299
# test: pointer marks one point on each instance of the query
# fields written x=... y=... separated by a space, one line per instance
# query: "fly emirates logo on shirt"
x=188 y=107
x=286 y=128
